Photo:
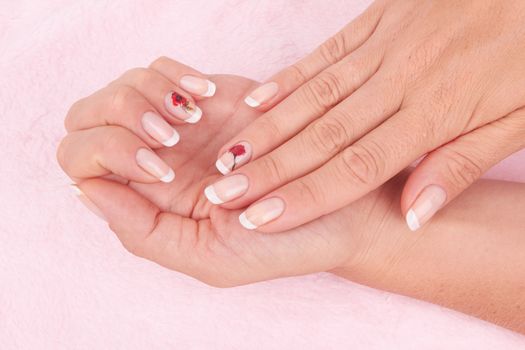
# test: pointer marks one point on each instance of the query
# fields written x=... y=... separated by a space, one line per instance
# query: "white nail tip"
x=223 y=169
x=412 y=220
x=169 y=177
x=172 y=141
x=76 y=190
x=247 y=224
x=250 y=101
x=195 y=117
x=210 y=193
x=211 y=89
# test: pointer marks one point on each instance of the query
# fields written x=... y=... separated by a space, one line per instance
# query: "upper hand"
x=405 y=79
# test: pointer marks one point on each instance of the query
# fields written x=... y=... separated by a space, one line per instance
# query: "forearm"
x=470 y=257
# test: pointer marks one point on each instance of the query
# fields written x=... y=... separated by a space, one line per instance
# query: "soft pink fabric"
x=66 y=282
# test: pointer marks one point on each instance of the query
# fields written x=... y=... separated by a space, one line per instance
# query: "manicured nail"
x=182 y=108
x=226 y=189
x=262 y=213
x=426 y=205
x=87 y=202
x=159 y=129
x=235 y=157
x=262 y=94
x=152 y=163
x=198 y=86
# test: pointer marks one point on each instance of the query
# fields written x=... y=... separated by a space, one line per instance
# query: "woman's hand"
x=407 y=78
x=172 y=223
x=448 y=262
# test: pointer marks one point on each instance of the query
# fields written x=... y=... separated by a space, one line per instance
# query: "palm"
x=203 y=237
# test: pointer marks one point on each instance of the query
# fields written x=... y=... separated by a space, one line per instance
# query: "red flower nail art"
x=183 y=102
x=237 y=151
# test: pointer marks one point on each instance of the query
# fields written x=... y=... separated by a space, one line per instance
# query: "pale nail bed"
x=154 y=165
x=159 y=129
x=262 y=213
x=227 y=189
x=430 y=200
x=198 y=86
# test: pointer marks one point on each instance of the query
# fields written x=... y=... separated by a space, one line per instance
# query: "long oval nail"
x=154 y=165
x=87 y=202
x=262 y=213
x=235 y=157
x=198 y=86
x=227 y=188
x=426 y=205
x=159 y=129
x=262 y=94
x=182 y=108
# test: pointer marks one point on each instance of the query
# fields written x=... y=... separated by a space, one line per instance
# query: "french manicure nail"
x=226 y=189
x=262 y=213
x=198 y=86
x=159 y=129
x=426 y=205
x=262 y=94
x=87 y=202
x=235 y=157
x=154 y=165
x=182 y=108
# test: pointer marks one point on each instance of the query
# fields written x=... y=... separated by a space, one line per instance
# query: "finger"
x=330 y=52
x=449 y=170
x=306 y=104
x=354 y=172
x=109 y=150
x=124 y=106
x=140 y=225
x=360 y=113
x=184 y=76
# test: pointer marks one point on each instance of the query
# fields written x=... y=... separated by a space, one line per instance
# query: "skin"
x=405 y=79
x=466 y=259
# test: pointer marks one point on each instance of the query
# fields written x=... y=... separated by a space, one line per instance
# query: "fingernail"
x=262 y=213
x=159 y=129
x=198 y=86
x=226 y=189
x=87 y=202
x=182 y=108
x=426 y=205
x=262 y=94
x=152 y=163
x=235 y=157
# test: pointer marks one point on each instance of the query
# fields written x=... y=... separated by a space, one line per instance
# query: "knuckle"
x=140 y=77
x=310 y=191
x=272 y=169
x=70 y=116
x=334 y=48
x=328 y=136
x=297 y=74
x=120 y=97
x=160 y=62
x=324 y=91
x=361 y=164
x=461 y=169
x=61 y=154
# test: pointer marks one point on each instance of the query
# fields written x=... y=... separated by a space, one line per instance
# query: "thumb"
x=143 y=229
x=447 y=171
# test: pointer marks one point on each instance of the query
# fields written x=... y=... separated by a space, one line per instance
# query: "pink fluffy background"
x=65 y=280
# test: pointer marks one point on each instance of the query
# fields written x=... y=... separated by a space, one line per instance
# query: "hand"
x=407 y=78
x=172 y=223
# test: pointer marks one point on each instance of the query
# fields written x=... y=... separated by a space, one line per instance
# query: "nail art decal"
x=183 y=108
x=236 y=156
x=181 y=101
